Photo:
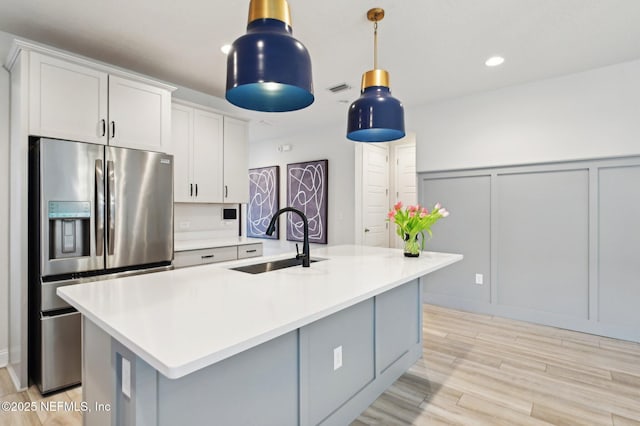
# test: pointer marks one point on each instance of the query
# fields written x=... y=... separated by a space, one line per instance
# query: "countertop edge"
x=178 y=371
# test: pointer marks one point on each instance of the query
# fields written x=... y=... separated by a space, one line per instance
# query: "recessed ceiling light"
x=226 y=49
x=494 y=61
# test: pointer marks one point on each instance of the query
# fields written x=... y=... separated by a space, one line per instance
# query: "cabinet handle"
x=191 y=191
x=226 y=191
x=251 y=251
x=196 y=189
x=104 y=126
x=113 y=129
x=209 y=256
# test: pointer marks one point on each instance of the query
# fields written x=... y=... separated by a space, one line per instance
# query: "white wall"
x=316 y=145
x=5 y=43
x=590 y=114
x=4 y=214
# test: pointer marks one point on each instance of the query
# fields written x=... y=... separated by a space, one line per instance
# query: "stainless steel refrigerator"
x=95 y=212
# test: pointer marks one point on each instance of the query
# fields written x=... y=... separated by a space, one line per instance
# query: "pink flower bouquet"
x=414 y=220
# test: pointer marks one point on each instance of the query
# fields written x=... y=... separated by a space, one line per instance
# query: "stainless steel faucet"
x=305 y=256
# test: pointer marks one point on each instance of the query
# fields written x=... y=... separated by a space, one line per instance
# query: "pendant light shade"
x=375 y=116
x=267 y=69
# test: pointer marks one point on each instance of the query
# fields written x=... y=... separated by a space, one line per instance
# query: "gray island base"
x=325 y=369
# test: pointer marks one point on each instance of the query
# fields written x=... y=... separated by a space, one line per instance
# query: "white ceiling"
x=434 y=49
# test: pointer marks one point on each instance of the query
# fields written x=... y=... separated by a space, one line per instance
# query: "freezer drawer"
x=61 y=363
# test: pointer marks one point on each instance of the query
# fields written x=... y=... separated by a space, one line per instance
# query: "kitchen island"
x=212 y=345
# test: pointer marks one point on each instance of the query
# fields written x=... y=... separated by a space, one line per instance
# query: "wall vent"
x=339 y=88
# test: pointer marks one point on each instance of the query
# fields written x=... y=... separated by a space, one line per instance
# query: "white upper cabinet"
x=68 y=101
x=207 y=156
x=72 y=100
x=182 y=150
x=210 y=156
x=197 y=149
x=236 y=161
x=139 y=115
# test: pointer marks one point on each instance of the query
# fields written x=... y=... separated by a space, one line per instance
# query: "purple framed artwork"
x=307 y=191
x=264 y=196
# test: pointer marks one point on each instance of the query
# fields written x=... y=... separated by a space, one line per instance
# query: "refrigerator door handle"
x=99 y=219
x=111 y=194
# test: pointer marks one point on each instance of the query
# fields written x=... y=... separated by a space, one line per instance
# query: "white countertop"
x=186 y=245
x=183 y=320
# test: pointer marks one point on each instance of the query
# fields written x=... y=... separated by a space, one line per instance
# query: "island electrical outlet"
x=479 y=279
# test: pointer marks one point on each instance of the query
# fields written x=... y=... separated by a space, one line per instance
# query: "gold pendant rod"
x=375 y=46
x=375 y=15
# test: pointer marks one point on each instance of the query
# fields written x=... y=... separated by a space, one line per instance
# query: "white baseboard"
x=14 y=379
x=4 y=357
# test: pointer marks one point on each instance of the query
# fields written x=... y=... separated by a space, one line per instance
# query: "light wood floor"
x=484 y=370
x=39 y=417
x=476 y=370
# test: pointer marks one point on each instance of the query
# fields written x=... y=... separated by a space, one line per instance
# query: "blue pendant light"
x=375 y=116
x=267 y=69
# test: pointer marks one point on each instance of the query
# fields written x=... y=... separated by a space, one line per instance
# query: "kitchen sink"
x=274 y=265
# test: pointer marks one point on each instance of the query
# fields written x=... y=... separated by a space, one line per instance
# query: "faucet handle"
x=298 y=254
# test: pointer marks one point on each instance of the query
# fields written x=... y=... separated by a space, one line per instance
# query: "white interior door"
x=375 y=195
x=404 y=180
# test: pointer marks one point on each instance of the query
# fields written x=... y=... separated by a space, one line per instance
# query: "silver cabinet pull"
x=99 y=219
x=111 y=193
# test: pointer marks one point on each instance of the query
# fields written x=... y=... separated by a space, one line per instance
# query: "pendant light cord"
x=375 y=45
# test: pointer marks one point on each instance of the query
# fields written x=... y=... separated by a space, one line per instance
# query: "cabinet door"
x=207 y=156
x=182 y=150
x=336 y=360
x=139 y=115
x=236 y=161
x=67 y=101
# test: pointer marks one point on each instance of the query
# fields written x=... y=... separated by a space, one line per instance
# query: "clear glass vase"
x=411 y=246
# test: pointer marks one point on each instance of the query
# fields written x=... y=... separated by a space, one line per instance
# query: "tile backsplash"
x=204 y=221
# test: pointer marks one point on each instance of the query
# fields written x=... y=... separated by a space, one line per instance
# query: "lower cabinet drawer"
x=201 y=257
x=249 y=250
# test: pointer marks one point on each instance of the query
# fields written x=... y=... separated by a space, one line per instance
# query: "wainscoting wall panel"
x=556 y=243
x=467 y=230
x=619 y=214
x=543 y=241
